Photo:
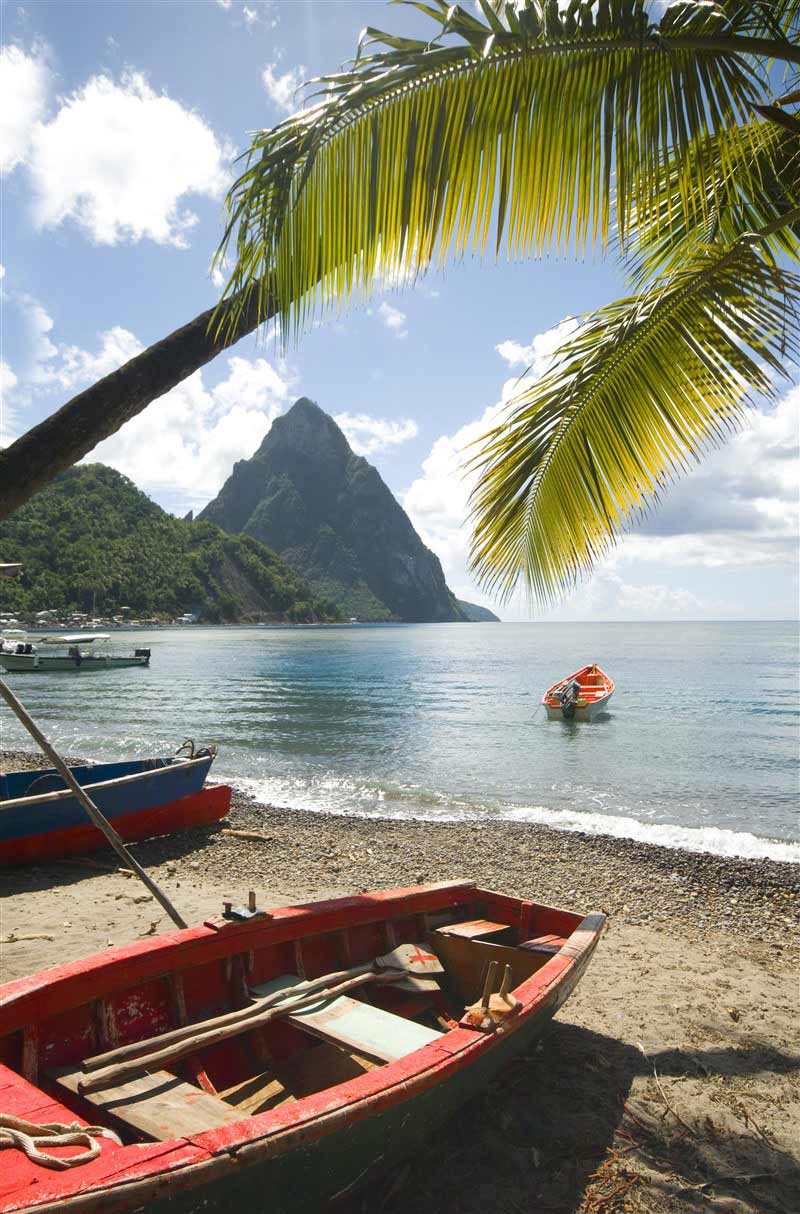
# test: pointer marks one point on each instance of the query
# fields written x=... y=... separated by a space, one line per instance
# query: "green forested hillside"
x=92 y=537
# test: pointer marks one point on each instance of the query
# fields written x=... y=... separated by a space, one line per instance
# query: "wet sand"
x=669 y=1082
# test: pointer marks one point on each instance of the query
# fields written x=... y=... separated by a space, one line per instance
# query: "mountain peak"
x=327 y=511
x=307 y=427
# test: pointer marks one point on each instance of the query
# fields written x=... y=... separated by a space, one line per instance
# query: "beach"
x=669 y=1082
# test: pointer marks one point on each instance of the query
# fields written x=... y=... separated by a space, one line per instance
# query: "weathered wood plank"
x=356 y=1026
x=157 y=1104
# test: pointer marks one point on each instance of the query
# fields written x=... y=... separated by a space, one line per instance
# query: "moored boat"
x=40 y=817
x=68 y=651
x=218 y=1103
x=579 y=697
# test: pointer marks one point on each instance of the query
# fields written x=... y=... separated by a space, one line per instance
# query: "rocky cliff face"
x=332 y=519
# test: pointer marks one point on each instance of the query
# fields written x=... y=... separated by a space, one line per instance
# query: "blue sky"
x=118 y=126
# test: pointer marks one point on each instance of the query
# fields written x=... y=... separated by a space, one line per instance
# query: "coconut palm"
x=532 y=128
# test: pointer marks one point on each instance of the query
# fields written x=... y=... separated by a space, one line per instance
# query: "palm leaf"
x=541 y=129
x=753 y=180
x=634 y=398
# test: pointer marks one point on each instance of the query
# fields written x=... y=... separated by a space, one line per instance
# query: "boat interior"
x=594 y=685
x=100 y=1049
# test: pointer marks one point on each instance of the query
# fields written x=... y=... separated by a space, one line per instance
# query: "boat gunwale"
x=256 y=1139
x=63 y=794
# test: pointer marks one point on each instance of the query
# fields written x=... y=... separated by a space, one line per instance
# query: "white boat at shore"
x=69 y=651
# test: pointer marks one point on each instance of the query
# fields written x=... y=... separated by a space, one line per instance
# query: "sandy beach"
x=669 y=1082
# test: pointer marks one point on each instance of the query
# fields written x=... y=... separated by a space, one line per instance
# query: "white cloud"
x=24 y=88
x=394 y=319
x=75 y=367
x=8 y=381
x=185 y=444
x=739 y=508
x=609 y=595
x=39 y=349
x=118 y=159
x=2 y=272
x=539 y=353
x=371 y=435
x=226 y=4
x=282 y=87
x=250 y=15
x=438 y=501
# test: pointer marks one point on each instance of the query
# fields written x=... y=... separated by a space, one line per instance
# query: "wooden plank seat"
x=479 y=929
x=157 y=1104
x=353 y=1025
x=544 y=944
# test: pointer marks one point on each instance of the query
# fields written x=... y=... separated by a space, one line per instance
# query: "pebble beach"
x=674 y=1068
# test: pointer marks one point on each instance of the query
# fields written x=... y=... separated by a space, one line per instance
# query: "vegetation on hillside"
x=92 y=538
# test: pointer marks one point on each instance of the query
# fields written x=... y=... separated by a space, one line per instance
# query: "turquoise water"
x=698 y=750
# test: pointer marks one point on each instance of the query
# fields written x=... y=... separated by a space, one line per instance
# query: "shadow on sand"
x=558 y=1134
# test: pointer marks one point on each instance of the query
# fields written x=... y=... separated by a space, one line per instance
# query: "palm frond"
x=634 y=398
x=544 y=128
x=753 y=180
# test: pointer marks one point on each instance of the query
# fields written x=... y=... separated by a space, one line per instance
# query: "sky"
x=119 y=127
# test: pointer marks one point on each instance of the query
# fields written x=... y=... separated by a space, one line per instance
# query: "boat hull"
x=197 y=809
x=301 y=1156
x=36 y=804
x=587 y=713
x=14 y=662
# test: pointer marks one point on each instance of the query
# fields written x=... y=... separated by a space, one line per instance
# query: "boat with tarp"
x=68 y=651
x=274 y=1060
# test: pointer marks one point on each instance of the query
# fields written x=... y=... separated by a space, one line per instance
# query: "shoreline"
x=643 y=884
x=667 y=1084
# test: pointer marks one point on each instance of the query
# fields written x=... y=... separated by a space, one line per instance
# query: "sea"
x=699 y=748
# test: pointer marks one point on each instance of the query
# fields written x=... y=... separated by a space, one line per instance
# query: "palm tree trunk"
x=67 y=435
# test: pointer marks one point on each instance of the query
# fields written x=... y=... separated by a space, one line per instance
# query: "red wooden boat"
x=581 y=696
x=284 y=1113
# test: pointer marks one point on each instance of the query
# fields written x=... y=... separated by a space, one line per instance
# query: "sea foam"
x=343 y=796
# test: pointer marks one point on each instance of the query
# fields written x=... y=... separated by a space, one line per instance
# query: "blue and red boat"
x=41 y=819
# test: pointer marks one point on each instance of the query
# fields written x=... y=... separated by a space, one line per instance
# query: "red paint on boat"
x=58 y=1018
x=208 y=805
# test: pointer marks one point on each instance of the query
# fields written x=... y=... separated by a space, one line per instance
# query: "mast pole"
x=96 y=817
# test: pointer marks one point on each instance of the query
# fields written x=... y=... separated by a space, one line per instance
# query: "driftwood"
x=111 y=1076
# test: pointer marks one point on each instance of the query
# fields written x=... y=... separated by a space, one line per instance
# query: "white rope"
x=27 y=1136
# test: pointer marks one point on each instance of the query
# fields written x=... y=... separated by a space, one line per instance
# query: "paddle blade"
x=413 y=958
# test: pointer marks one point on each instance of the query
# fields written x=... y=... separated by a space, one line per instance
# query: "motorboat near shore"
x=66 y=651
x=275 y=1060
x=579 y=697
x=41 y=818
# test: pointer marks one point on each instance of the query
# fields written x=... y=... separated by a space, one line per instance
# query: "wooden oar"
x=113 y=1075
x=409 y=959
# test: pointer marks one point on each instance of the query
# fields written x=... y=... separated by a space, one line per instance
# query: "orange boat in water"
x=579 y=697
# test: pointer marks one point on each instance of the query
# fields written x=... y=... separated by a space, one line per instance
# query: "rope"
x=28 y=1137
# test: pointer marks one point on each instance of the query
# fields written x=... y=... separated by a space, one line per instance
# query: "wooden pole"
x=88 y=804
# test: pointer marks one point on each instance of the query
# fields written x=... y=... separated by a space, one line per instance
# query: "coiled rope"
x=26 y=1136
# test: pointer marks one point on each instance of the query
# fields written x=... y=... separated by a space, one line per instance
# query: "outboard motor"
x=568 y=697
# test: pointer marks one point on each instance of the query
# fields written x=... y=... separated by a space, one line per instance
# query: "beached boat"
x=40 y=817
x=237 y=1103
x=579 y=697
x=67 y=651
